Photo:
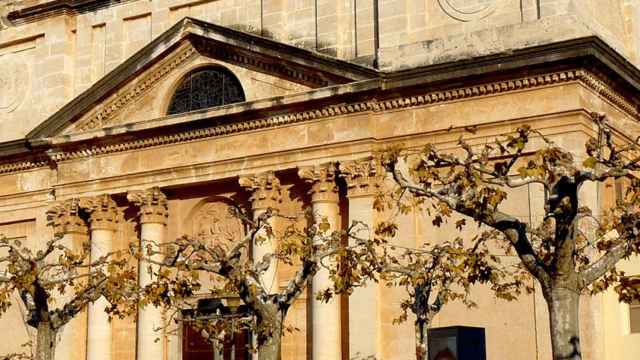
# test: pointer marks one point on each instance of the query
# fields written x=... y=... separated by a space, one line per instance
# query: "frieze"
x=587 y=78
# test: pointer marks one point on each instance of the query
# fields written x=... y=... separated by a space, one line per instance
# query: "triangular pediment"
x=139 y=89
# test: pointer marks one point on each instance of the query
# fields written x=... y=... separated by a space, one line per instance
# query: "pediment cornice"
x=105 y=100
x=103 y=114
x=67 y=151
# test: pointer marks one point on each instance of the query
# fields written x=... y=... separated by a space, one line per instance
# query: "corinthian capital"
x=64 y=217
x=103 y=212
x=363 y=176
x=152 y=203
x=265 y=189
x=323 y=181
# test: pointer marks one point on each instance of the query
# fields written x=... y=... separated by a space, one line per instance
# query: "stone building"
x=173 y=101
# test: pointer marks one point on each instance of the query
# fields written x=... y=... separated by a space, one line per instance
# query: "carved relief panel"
x=213 y=221
x=468 y=10
x=14 y=82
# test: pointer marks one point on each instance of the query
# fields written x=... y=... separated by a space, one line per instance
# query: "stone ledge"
x=491 y=41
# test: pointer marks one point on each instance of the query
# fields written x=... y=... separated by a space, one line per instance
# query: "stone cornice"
x=152 y=203
x=255 y=61
x=265 y=189
x=45 y=9
x=584 y=77
x=429 y=98
x=323 y=182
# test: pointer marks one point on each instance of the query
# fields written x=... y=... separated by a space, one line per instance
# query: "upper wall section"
x=53 y=50
x=450 y=30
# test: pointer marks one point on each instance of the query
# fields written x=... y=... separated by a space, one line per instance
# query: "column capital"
x=103 y=212
x=363 y=176
x=323 y=181
x=64 y=217
x=153 y=205
x=265 y=188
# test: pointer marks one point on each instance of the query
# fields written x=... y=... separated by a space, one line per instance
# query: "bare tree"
x=433 y=274
x=186 y=261
x=61 y=276
x=558 y=253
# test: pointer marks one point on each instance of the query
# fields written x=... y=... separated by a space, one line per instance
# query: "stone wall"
x=45 y=63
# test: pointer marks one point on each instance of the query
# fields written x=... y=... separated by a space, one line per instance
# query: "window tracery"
x=205 y=88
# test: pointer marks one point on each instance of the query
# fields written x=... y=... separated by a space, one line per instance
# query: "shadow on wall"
x=294 y=39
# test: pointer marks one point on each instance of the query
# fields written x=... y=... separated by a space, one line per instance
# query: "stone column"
x=325 y=317
x=266 y=193
x=363 y=179
x=153 y=221
x=102 y=220
x=64 y=218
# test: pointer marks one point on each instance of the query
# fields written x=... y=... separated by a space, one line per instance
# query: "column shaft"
x=153 y=219
x=325 y=317
x=63 y=218
x=72 y=345
x=363 y=178
x=149 y=317
x=99 y=332
x=266 y=193
x=363 y=302
x=103 y=219
x=269 y=277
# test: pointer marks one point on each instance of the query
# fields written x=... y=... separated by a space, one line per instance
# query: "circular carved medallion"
x=214 y=222
x=14 y=82
x=468 y=10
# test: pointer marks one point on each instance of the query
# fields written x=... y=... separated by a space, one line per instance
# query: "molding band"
x=587 y=78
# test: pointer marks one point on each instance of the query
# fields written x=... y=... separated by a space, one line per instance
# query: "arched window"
x=205 y=88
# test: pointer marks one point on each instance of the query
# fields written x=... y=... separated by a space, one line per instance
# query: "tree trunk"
x=269 y=348
x=45 y=342
x=564 y=306
x=421 y=339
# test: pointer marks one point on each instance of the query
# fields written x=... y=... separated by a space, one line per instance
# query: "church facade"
x=169 y=110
